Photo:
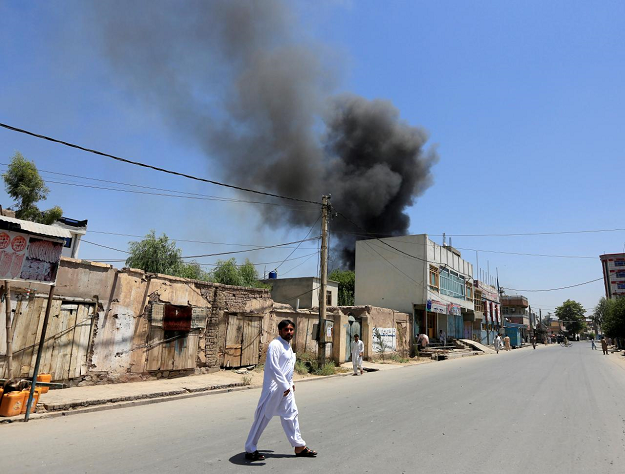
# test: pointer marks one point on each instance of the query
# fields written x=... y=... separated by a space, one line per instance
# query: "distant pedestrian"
x=497 y=343
x=358 y=350
x=604 y=346
x=278 y=396
x=593 y=346
x=422 y=341
x=534 y=342
x=442 y=337
x=506 y=342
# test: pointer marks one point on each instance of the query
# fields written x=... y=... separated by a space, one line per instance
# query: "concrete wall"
x=306 y=289
x=397 y=277
x=388 y=278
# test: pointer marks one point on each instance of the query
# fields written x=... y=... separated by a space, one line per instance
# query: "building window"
x=451 y=283
x=478 y=302
x=68 y=243
x=620 y=274
x=469 y=291
x=433 y=277
x=619 y=263
x=328 y=298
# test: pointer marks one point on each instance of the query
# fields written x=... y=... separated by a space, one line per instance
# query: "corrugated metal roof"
x=39 y=229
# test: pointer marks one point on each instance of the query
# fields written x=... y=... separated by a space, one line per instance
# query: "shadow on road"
x=240 y=460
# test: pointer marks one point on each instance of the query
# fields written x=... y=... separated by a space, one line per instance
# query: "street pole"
x=42 y=341
x=9 y=328
x=321 y=353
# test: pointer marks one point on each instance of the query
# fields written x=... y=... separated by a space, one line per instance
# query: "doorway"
x=353 y=328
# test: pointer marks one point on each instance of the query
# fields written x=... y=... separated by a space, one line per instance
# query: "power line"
x=306 y=236
x=118 y=260
x=184 y=240
x=155 y=168
x=556 y=289
x=218 y=253
x=299 y=264
x=374 y=234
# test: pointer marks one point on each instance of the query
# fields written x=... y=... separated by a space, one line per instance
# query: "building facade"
x=302 y=292
x=415 y=275
x=516 y=310
x=613 y=265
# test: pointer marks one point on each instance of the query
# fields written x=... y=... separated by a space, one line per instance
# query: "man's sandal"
x=255 y=456
x=306 y=453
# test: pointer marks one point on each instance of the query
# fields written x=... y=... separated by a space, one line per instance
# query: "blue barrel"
x=273 y=275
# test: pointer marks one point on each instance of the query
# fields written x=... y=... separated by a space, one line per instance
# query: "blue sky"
x=523 y=100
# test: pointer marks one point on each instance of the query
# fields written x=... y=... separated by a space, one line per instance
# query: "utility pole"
x=325 y=207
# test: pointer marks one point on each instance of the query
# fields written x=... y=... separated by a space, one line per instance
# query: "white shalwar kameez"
x=357 y=349
x=278 y=379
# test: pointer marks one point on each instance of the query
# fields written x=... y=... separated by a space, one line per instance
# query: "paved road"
x=550 y=410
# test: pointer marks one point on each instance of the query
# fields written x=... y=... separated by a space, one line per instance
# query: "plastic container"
x=12 y=403
x=36 y=395
x=44 y=378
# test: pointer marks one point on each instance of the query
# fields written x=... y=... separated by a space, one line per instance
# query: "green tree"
x=614 y=318
x=23 y=183
x=347 y=282
x=571 y=313
x=600 y=312
x=229 y=273
x=161 y=255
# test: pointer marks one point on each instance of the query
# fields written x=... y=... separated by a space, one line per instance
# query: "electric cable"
x=155 y=168
x=555 y=289
x=305 y=237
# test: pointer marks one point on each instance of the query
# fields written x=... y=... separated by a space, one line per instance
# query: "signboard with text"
x=25 y=257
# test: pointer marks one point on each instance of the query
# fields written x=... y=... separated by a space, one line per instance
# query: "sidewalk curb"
x=149 y=399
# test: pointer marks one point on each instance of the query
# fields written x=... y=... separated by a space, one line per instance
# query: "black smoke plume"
x=240 y=79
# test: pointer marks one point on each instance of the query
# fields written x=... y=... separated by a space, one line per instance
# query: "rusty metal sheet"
x=177 y=318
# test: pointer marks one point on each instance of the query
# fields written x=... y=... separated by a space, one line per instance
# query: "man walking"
x=497 y=343
x=358 y=350
x=506 y=342
x=278 y=396
x=604 y=345
x=442 y=338
x=593 y=346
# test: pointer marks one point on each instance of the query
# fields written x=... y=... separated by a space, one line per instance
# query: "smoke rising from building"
x=239 y=79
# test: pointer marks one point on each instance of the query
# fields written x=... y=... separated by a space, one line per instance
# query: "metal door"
x=352 y=328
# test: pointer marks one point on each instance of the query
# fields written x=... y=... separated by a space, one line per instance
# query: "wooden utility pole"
x=9 y=329
x=321 y=353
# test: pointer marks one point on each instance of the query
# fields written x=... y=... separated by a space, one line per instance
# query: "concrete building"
x=77 y=229
x=613 y=265
x=414 y=275
x=488 y=320
x=302 y=292
x=515 y=310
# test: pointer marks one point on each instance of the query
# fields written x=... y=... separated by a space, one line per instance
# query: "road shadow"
x=239 y=459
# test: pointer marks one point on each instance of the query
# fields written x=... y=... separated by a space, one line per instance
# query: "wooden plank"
x=63 y=345
x=251 y=337
x=80 y=342
x=168 y=354
x=21 y=335
x=234 y=338
x=54 y=324
x=39 y=312
x=138 y=360
x=154 y=352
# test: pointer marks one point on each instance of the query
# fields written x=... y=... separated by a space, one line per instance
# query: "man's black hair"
x=356 y=335
x=284 y=323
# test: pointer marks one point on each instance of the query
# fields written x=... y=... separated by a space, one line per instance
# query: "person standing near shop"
x=358 y=351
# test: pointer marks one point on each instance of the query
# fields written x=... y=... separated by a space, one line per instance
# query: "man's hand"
x=293 y=388
x=286 y=392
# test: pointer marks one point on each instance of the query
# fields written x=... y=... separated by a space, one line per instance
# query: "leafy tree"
x=27 y=188
x=600 y=312
x=614 y=318
x=347 y=281
x=571 y=313
x=160 y=255
x=229 y=273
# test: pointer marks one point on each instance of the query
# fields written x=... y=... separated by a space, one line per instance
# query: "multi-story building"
x=487 y=304
x=613 y=265
x=515 y=309
x=414 y=275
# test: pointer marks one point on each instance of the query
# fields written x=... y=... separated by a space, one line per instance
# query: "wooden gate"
x=242 y=341
x=68 y=338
